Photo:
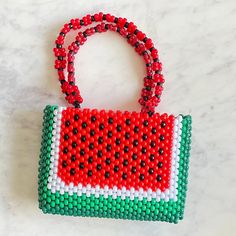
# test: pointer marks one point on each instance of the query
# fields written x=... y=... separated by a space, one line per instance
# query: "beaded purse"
x=129 y=165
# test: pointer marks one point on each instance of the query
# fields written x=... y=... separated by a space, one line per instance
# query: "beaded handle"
x=143 y=46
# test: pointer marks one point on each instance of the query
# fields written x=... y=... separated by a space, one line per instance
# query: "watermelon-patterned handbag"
x=117 y=164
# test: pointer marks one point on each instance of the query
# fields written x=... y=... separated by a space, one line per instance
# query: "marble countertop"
x=196 y=40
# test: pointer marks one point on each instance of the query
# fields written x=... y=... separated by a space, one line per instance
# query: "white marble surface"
x=197 y=46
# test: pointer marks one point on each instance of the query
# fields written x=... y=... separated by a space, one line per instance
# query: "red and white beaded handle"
x=150 y=95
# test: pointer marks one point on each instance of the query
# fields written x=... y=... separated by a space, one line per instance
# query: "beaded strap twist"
x=150 y=95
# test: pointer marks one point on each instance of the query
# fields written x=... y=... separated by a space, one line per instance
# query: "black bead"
x=100 y=140
x=99 y=166
x=118 y=141
x=65 y=150
x=144 y=150
x=81 y=165
x=76 y=117
x=135 y=142
x=153 y=144
x=82 y=152
x=101 y=126
x=154 y=130
x=116 y=168
x=72 y=171
x=107 y=174
x=74 y=144
x=124 y=176
x=126 y=149
x=141 y=177
x=64 y=164
x=117 y=155
x=125 y=162
x=145 y=123
x=91 y=146
x=163 y=124
x=152 y=157
x=73 y=93
x=133 y=169
x=110 y=120
x=134 y=156
x=67 y=123
x=128 y=122
x=108 y=147
x=118 y=128
x=158 y=178
x=160 y=151
x=151 y=171
x=84 y=125
x=160 y=164
x=126 y=24
x=90 y=173
x=90 y=159
x=127 y=135
x=142 y=163
x=136 y=129
x=108 y=161
x=75 y=131
x=66 y=136
x=99 y=153
x=93 y=118
x=83 y=138
x=162 y=137
x=92 y=132
x=144 y=137
x=109 y=134
x=73 y=158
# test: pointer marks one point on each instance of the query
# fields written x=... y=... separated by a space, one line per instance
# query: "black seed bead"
x=66 y=136
x=135 y=142
x=99 y=167
x=162 y=137
x=128 y=122
x=153 y=144
x=84 y=125
x=72 y=171
x=118 y=141
x=108 y=161
x=93 y=118
x=116 y=20
x=145 y=123
x=134 y=156
x=83 y=138
x=99 y=154
x=152 y=157
x=160 y=164
x=67 y=123
x=75 y=131
x=144 y=137
x=127 y=135
x=73 y=158
x=124 y=176
x=126 y=24
x=154 y=130
x=65 y=150
x=74 y=144
x=92 y=132
x=110 y=120
x=81 y=165
x=109 y=134
x=142 y=163
x=100 y=140
x=117 y=155
x=151 y=171
x=148 y=88
x=159 y=178
x=136 y=129
x=118 y=128
x=101 y=126
x=133 y=169
x=64 y=164
x=82 y=152
x=76 y=117
x=160 y=151
x=126 y=149
x=90 y=159
x=144 y=150
x=141 y=177
x=125 y=162
x=107 y=174
x=108 y=147
x=91 y=146
x=163 y=124
x=90 y=173
x=116 y=168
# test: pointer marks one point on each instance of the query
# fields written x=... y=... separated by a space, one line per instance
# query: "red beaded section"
x=123 y=149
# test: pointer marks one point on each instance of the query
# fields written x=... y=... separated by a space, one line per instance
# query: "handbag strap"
x=150 y=95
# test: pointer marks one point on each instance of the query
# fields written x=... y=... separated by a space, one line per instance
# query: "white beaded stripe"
x=56 y=184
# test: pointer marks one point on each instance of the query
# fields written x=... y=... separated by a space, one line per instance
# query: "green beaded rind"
x=64 y=204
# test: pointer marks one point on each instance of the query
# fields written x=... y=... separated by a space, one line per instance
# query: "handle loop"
x=150 y=96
